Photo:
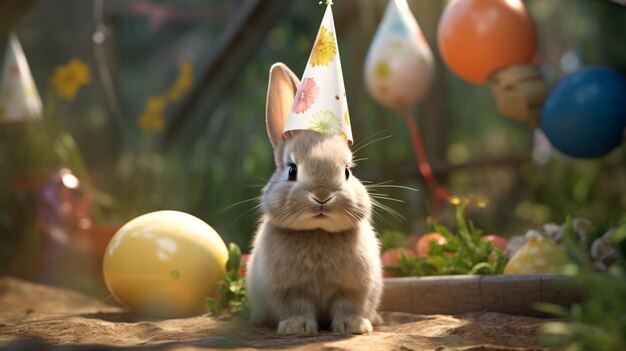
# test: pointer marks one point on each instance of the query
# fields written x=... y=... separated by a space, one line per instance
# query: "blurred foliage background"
x=212 y=153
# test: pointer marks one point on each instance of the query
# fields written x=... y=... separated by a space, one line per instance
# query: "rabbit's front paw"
x=351 y=324
x=297 y=325
x=376 y=319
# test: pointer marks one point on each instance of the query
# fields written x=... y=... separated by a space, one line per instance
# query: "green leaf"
x=391 y=239
x=427 y=268
x=234 y=257
x=213 y=305
x=556 y=310
x=232 y=290
x=481 y=268
x=618 y=235
x=395 y=271
x=464 y=253
x=554 y=334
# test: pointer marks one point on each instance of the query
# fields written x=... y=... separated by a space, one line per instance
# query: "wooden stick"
x=237 y=46
x=438 y=193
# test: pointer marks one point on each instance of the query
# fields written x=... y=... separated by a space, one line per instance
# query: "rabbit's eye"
x=293 y=171
x=347 y=173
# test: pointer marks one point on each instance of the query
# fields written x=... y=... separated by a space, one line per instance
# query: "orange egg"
x=423 y=244
x=477 y=37
x=496 y=241
x=391 y=257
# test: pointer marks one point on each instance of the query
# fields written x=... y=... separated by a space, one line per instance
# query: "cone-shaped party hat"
x=320 y=103
x=399 y=67
x=19 y=98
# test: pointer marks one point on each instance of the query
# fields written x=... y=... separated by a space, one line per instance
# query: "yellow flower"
x=67 y=79
x=324 y=49
x=346 y=118
x=474 y=199
x=183 y=82
x=481 y=202
x=454 y=200
x=382 y=69
x=152 y=119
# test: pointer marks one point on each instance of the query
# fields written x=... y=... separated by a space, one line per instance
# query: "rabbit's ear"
x=280 y=94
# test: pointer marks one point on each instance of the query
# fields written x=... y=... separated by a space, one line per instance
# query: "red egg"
x=392 y=256
x=478 y=37
x=423 y=244
x=496 y=240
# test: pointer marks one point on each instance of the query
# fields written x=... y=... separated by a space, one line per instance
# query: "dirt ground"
x=37 y=317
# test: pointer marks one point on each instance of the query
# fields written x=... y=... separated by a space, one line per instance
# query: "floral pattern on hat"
x=320 y=103
x=325 y=122
x=325 y=48
x=306 y=95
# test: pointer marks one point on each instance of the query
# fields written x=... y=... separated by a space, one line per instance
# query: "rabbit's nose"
x=322 y=201
x=321 y=195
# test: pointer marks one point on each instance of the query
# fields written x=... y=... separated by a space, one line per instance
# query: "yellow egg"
x=537 y=256
x=164 y=264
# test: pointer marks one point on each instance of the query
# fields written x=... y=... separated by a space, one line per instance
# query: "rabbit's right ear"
x=280 y=94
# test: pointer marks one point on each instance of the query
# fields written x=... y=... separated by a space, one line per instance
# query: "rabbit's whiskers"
x=385 y=208
x=369 y=143
x=254 y=210
x=370 y=185
x=256 y=198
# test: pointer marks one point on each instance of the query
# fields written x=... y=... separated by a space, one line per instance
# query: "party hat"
x=399 y=67
x=320 y=103
x=19 y=98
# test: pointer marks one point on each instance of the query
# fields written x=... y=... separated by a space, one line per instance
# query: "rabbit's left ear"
x=280 y=95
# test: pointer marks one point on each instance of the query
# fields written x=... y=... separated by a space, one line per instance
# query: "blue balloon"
x=585 y=113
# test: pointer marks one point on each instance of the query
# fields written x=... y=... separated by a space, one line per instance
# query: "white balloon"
x=399 y=67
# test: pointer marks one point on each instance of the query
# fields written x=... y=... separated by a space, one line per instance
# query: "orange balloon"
x=477 y=37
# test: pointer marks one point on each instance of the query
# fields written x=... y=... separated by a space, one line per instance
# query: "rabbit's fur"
x=308 y=268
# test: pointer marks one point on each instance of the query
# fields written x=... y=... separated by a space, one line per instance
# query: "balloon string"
x=438 y=193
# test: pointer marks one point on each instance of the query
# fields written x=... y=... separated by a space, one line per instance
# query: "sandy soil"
x=37 y=317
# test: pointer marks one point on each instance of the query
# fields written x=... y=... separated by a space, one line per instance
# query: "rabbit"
x=315 y=256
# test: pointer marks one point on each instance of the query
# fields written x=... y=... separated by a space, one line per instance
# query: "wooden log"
x=513 y=294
